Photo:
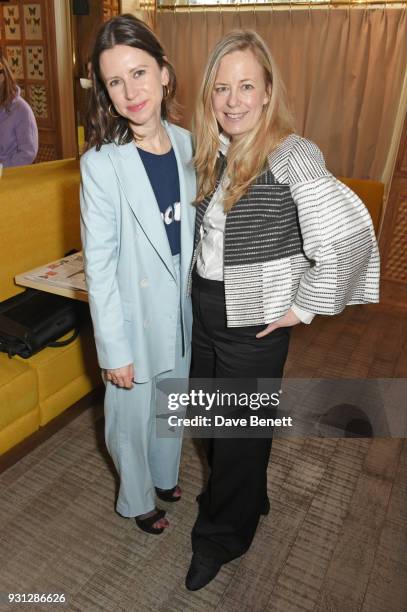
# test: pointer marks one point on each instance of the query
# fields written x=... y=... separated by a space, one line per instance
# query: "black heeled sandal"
x=168 y=494
x=146 y=524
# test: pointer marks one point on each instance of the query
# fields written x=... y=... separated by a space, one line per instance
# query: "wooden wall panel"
x=396 y=268
x=393 y=242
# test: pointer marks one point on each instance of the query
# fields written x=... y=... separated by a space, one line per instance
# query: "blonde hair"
x=247 y=159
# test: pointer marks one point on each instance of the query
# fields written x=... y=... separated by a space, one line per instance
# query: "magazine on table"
x=67 y=272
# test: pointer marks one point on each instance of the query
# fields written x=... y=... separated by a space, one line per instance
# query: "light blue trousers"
x=142 y=459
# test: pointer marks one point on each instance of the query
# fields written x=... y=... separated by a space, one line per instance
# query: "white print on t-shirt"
x=173 y=213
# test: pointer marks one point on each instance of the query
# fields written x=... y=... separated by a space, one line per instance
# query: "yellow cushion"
x=18 y=430
x=65 y=374
x=39 y=208
x=371 y=193
x=18 y=389
x=65 y=397
x=18 y=402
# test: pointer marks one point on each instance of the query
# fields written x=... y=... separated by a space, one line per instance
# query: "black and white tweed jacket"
x=299 y=236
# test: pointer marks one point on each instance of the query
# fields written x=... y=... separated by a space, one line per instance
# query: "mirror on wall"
x=47 y=44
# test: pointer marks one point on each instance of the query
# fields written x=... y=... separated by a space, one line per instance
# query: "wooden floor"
x=335 y=540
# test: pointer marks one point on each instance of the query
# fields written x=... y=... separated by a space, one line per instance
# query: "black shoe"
x=146 y=524
x=201 y=571
x=168 y=494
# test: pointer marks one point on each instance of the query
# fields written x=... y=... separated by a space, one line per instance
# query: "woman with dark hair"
x=278 y=240
x=138 y=185
x=18 y=128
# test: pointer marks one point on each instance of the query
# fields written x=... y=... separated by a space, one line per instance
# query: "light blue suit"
x=138 y=303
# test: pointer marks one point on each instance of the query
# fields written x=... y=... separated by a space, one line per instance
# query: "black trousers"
x=236 y=492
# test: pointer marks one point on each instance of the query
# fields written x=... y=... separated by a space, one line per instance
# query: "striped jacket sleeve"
x=338 y=236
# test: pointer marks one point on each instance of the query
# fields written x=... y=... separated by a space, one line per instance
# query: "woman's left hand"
x=288 y=320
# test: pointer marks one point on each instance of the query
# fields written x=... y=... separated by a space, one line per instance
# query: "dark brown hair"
x=101 y=127
x=10 y=90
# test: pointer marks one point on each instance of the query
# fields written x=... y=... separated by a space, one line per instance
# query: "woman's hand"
x=288 y=320
x=121 y=377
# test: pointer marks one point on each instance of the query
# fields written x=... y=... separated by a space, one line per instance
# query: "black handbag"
x=34 y=320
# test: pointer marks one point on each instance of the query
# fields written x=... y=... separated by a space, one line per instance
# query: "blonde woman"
x=278 y=240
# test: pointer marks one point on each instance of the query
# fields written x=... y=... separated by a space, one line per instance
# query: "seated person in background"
x=18 y=128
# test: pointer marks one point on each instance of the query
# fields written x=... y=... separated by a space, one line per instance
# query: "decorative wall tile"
x=12 y=29
x=35 y=62
x=32 y=21
x=38 y=101
x=14 y=56
x=46 y=152
x=396 y=268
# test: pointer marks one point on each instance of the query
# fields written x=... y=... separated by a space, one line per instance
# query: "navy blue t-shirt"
x=162 y=171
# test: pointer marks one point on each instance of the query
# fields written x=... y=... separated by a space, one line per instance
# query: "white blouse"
x=209 y=263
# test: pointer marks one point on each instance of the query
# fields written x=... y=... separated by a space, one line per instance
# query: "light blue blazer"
x=133 y=292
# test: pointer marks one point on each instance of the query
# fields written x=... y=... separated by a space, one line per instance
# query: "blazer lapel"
x=186 y=196
x=140 y=196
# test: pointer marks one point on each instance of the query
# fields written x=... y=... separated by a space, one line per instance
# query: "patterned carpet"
x=336 y=538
